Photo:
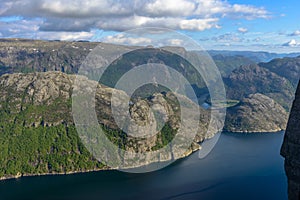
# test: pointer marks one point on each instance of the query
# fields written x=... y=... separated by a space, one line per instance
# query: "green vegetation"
x=42 y=150
x=227 y=64
x=42 y=138
x=165 y=138
x=226 y=104
x=143 y=56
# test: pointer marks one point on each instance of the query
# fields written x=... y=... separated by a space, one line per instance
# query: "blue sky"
x=257 y=25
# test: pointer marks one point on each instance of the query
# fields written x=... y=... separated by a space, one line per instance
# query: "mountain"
x=227 y=64
x=38 y=134
x=285 y=67
x=21 y=55
x=251 y=79
x=256 y=113
x=25 y=56
x=255 y=56
x=290 y=149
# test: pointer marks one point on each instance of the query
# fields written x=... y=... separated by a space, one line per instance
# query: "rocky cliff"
x=291 y=149
x=256 y=113
x=251 y=79
x=38 y=134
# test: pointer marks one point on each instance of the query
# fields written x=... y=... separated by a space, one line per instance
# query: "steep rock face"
x=256 y=113
x=41 y=104
x=291 y=149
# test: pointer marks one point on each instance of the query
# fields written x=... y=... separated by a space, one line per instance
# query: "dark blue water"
x=241 y=166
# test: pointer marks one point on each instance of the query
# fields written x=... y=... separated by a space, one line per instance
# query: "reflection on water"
x=241 y=166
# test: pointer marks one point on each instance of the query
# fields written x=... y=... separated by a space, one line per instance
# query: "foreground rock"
x=291 y=149
x=257 y=113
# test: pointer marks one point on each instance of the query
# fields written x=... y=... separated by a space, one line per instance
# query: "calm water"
x=241 y=166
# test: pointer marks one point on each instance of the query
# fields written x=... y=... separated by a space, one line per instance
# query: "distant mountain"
x=256 y=57
x=285 y=67
x=256 y=113
x=18 y=55
x=25 y=56
x=251 y=79
x=227 y=64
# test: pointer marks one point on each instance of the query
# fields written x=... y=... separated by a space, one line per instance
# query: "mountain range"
x=37 y=77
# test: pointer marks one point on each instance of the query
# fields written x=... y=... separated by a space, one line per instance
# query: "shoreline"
x=18 y=176
x=188 y=153
x=250 y=132
x=54 y=174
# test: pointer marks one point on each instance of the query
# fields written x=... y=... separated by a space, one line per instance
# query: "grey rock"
x=290 y=149
x=256 y=113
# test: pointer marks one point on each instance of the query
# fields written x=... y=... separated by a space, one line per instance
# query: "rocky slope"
x=291 y=149
x=275 y=79
x=286 y=67
x=256 y=113
x=39 y=136
x=227 y=64
x=251 y=79
x=18 y=55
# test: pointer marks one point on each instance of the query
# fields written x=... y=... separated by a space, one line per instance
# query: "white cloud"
x=242 y=30
x=292 y=43
x=249 y=12
x=78 y=15
x=175 y=42
x=227 y=38
x=174 y=8
x=223 y=8
x=148 y=38
x=66 y=36
x=295 y=33
x=124 y=39
x=197 y=24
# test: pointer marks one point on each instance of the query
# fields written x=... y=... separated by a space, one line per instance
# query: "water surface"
x=241 y=166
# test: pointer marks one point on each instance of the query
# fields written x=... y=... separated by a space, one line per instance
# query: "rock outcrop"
x=251 y=79
x=39 y=103
x=291 y=149
x=256 y=113
x=286 y=67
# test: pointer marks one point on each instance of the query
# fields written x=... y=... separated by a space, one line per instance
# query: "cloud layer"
x=120 y=15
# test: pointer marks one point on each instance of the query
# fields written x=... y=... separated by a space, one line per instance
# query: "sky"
x=254 y=25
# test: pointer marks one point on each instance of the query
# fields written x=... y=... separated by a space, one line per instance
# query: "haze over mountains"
x=255 y=56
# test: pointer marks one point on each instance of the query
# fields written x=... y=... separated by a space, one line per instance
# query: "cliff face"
x=256 y=113
x=291 y=149
x=251 y=79
x=38 y=135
